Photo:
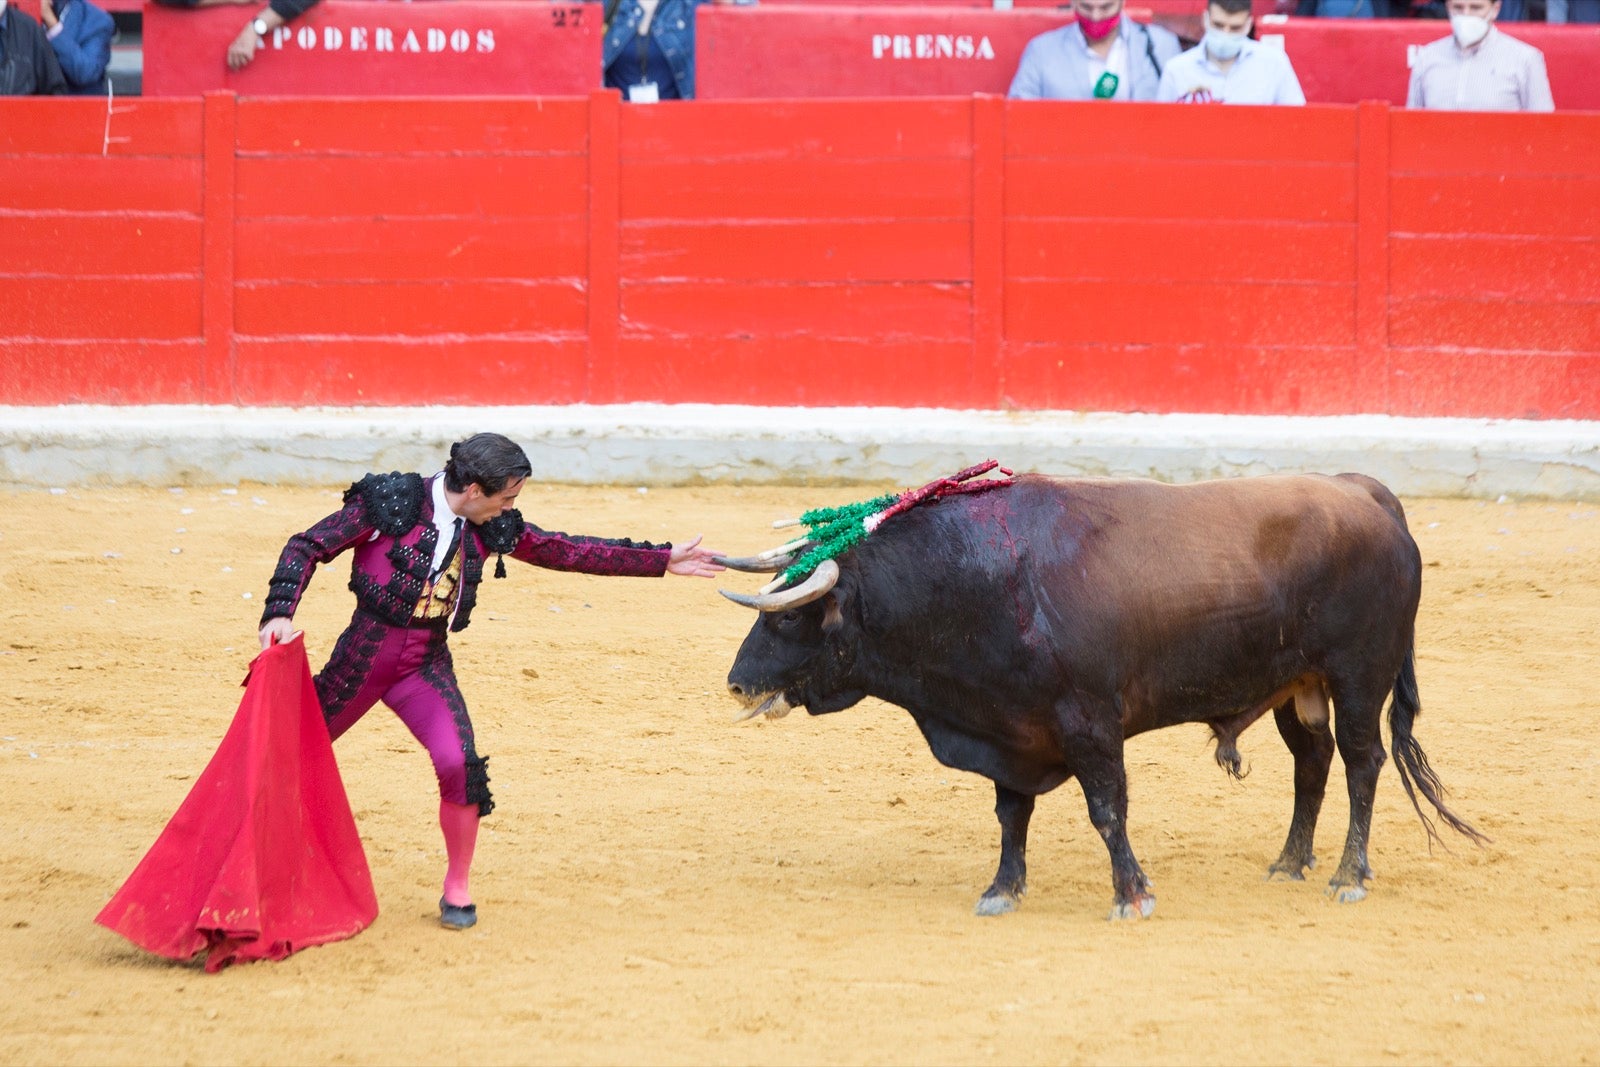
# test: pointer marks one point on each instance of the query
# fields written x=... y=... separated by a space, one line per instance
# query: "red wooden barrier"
x=1256 y=291
x=375 y=48
x=971 y=252
x=411 y=249
x=1342 y=61
x=100 y=252
x=1491 y=254
x=810 y=252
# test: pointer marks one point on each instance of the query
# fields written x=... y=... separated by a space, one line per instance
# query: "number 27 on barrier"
x=566 y=16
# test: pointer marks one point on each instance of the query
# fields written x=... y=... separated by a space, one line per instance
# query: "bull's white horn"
x=754 y=564
x=813 y=588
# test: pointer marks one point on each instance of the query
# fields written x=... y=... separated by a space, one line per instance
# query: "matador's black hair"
x=488 y=460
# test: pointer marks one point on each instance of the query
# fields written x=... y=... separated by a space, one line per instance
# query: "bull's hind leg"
x=1311 y=744
x=1011 y=880
x=1356 y=731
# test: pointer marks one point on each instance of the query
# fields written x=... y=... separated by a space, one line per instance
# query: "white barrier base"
x=658 y=444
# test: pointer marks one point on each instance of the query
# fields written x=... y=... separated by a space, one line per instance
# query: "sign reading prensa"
x=861 y=50
x=931 y=46
x=377 y=48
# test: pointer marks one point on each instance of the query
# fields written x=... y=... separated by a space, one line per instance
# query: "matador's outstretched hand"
x=693 y=561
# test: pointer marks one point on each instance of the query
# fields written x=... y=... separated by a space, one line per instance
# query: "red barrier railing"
x=961 y=252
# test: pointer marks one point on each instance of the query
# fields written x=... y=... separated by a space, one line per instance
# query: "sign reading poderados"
x=367 y=48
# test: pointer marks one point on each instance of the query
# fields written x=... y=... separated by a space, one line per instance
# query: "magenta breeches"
x=410 y=670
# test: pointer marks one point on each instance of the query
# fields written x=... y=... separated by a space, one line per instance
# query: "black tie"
x=455 y=544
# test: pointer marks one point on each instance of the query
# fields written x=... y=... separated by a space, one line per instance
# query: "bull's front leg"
x=1011 y=881
x=1105 y=787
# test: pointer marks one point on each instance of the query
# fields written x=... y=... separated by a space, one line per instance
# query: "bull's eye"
x=789 y=618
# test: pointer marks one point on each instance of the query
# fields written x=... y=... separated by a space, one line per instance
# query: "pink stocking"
x=460 y=825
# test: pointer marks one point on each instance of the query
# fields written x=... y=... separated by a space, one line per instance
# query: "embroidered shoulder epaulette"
x=393 y=501
x=501 y=533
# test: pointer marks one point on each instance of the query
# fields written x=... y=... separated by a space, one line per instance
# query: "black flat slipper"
x=457 y=916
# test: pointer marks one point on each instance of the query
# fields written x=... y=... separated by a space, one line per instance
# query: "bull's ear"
x=833 y=608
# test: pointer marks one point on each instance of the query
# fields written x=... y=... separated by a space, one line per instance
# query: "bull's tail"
x=1412 y=762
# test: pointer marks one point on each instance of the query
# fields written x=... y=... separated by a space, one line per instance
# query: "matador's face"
x=478 y=507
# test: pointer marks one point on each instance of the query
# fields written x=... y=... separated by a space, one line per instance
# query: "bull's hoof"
x=1288 y=869
x=996 y=904
x=1347 y=894
x=1138 y=908
x=1287 y=872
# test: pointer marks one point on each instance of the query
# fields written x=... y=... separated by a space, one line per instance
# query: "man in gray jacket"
x=1104 y=55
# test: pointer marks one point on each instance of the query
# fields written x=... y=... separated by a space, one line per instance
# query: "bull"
x=1032 y=629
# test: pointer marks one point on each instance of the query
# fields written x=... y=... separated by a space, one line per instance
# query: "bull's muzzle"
x=772 y=705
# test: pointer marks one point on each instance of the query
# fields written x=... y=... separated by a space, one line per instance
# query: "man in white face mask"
x=1227 y=67
x=1478 y=68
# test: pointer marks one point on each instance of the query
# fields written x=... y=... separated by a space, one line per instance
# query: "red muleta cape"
x=262 y=858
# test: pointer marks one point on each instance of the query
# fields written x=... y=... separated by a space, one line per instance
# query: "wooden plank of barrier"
x=1345 y=61
x=480 y=368
x=375 y=48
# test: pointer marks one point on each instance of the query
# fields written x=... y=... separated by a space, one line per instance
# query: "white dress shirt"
x=1262 y=74
x=1499 y=73
x=444 y=521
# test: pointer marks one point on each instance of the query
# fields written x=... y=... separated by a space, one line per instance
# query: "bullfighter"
x=420 y=545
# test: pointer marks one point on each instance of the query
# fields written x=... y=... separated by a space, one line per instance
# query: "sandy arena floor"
x=659 y=886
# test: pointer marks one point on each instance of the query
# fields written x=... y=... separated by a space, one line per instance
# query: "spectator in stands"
x=80 y=33
x=649 y=48
x=1478 y=68
x=1353 y=9
x=1227 y=67
x=28 y=65
x=1571 y=11
x=1103 y=55
x=275 y=14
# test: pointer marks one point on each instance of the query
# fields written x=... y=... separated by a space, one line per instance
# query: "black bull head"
x=1032 y=629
